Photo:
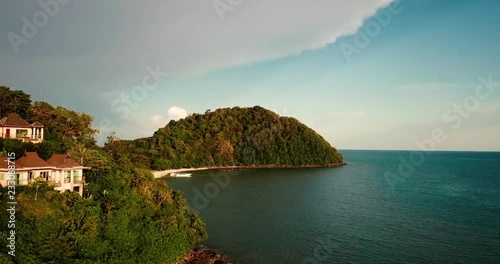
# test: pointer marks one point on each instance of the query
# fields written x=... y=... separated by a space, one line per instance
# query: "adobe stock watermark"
x=322 y=251
x=11 y=203
x=224 y=6
x=212 y=189
x=370 y=30
x=31 y=26
x=453 y=118
x=129 y=100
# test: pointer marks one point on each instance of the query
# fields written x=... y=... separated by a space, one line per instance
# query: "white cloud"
x=141 y=128
x=176 y=113
x=173 y=113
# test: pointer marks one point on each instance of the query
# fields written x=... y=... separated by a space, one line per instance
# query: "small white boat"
x=180 y=174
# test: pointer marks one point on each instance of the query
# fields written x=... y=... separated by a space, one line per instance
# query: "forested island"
x=125 y=215
x=230 y=137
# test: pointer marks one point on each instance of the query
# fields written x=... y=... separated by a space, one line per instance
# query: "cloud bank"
x=183 y=37
x=95 y=48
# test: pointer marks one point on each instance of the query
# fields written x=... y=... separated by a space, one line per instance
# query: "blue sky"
x=287 y=56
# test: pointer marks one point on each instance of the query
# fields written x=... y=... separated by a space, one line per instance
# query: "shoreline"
x=166 y=173
x=203 y=255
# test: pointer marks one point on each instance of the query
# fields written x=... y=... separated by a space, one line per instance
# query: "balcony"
x=36 y=139
x=23 y=138
x=78 y=179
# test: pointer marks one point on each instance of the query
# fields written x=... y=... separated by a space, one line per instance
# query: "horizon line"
x=409 y=150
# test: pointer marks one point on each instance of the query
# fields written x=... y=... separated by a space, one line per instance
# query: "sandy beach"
x=165 y=173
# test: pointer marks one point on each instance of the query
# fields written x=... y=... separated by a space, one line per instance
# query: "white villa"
x=14 y=126
x=64 y=173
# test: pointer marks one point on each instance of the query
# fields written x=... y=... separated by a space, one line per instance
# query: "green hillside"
x=231 y=136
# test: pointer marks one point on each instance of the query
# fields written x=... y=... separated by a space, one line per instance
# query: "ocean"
x=383 y=207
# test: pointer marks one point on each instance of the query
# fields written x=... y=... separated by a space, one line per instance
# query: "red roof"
x=63 y=161
x=36 y=124
x=30 y=160
x=3 y=163
x=14 y=120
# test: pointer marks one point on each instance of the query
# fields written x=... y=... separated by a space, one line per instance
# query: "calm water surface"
x=446 y=211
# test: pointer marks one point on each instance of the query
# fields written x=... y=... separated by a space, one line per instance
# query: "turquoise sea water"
x=445 y=211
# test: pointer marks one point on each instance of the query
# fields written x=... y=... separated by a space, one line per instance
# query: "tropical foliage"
x=15 y=101
x=125 y=215
x=65 y=130
x=228 y=136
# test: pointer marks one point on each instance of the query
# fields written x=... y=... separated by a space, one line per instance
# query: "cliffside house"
x=14 y=126
x=64 y=173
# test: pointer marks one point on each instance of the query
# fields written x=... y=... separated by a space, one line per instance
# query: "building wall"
x=3 y=178
x=23 y=177
x=13 y=132
x=69 y=178
x=59 y=177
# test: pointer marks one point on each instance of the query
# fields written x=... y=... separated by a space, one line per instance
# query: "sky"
x=365 y=74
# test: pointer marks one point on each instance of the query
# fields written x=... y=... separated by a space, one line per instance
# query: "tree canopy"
x=14 y=101
x=229 y=136
x=65 y=130
x=126 y=216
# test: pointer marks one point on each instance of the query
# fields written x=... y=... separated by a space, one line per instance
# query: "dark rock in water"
x=203 y=255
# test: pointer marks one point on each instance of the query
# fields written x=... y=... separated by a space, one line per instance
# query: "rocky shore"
x=203 y=255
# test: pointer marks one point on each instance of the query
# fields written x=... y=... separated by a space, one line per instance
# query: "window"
x=76 y=176
x=21 y=132
x=45 y=175
x=67 y=179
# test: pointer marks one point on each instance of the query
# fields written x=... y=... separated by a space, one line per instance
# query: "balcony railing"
x=23 y=138
x=22 y=182
x=78 y=179
x=51 y=181
x=30 y=139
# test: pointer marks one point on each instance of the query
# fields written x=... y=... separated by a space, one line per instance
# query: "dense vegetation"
x=125 y=216
x=65 y=130
x=229 y=136
x=15 y=101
